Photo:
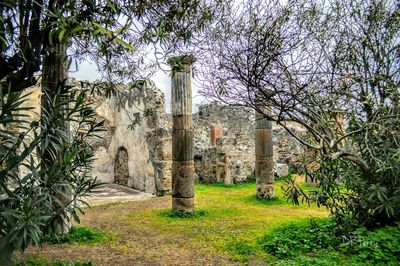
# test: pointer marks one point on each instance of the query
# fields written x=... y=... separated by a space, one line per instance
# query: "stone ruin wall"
x=135 y=148
x=229 y=156
x=140 y=156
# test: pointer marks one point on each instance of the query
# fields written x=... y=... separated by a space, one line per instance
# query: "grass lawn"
x=225 y=230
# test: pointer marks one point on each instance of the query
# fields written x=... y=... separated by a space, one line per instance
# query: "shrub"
x=380 y=246
x=47 y=195
x=250 y=179
x=316 y=241
x=300 y=237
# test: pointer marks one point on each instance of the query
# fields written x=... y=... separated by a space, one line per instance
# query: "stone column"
x=182 y=135
x=264 y=156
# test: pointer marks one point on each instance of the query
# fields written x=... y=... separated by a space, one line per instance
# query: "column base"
x=265 y=191
x=183 y=205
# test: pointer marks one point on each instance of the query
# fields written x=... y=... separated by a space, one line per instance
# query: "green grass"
x=322 y=258
x=241 y=251
x=230 y=221
x=80 y=235
x=252 y=200
x=229 y=218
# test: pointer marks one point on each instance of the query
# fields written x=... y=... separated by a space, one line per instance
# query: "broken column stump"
x=264 y=156
x=182 y=135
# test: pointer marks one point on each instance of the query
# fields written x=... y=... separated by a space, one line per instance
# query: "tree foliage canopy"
x=112 y=33
x=333 y=67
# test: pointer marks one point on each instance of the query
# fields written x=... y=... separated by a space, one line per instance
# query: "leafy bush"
x=381 y=246
x=250 y=179
x=56 y=166
x=321 y=242
x=301 y=237
x=357 y=164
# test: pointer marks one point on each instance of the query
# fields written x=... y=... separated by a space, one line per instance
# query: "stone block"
x=167 y=149
x=220 y=172
x=223 y=146
x=281 y=169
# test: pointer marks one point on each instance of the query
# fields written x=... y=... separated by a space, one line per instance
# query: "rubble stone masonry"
x=136 y=148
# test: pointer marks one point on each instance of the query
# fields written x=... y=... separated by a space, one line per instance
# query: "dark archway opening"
x=121 y=168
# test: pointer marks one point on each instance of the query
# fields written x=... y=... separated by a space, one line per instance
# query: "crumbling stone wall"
x=135 y=148
x=229 y=158
x=232 y=157
x=135 y=120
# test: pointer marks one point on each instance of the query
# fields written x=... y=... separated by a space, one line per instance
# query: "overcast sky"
x=88 y=71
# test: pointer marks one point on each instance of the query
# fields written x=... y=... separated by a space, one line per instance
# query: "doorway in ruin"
x=121 y=168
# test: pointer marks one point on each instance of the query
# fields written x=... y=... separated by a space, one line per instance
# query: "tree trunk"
x=54 y=73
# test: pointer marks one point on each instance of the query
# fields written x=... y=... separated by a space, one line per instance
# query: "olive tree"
x=333 y=67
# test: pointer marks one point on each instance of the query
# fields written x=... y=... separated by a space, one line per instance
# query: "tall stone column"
x=264 y=156
x=182 y=135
